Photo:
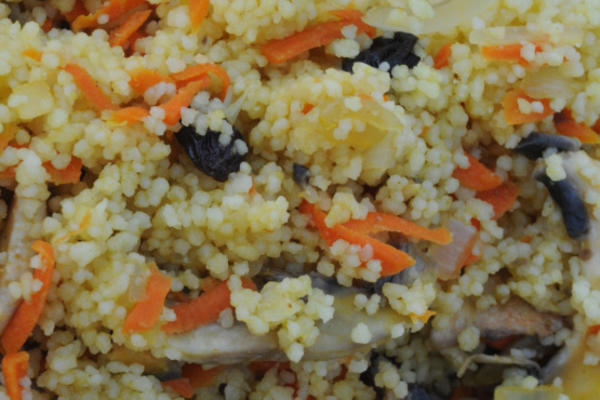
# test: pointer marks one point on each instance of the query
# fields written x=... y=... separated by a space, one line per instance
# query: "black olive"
x=301 y=174
x=419 y=393
x=208 y=154
x=368 y=376
x=395 y=51
x=534 y=145
x=573 y=210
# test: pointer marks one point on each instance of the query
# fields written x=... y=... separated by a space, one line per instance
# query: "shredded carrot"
x=392 y=260
x=376 y=222
x=280 y=50
x=593 y=330
x=198 y=10
x=501 y=198
x=198 y=376
x=181 y=386
x=477 y=176
x=199 y=71
x=143 y=78
x=514 y=116
x=25 y=318
x=33 y=54
x=129 y=114
x=113 y=9
x=7 y=136
x=307 y=107
x=133 y=22
x=351 y=14
x=145 y=312
x=90 y=89
x=507 y=52
x=183 y=98
x=85 y=221
x=422 y=317
x=567 y=126
x=70 y=174
x=135 y=36
x=14 y=368
x=442 y=57
x=202 y=310
x=47 y=25
x=77 y=10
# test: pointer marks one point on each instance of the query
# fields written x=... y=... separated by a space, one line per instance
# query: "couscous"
x=310 y=199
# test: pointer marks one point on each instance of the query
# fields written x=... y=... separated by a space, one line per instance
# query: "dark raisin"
x=301 y=174
x=574 y=213
x=208 y=154
x=395 y=51
x=534 y=145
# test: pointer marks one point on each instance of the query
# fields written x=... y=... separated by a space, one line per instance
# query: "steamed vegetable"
x=90 y=89
x=14 y=369
x=501 y=197
x=513 y=114
x=198 y=10
x=123 y=32
x=477 y=176
x=452 y=257
x=442 y=57
x=113 y=9
x=200 y=71
x=145 y=313
x=566 y=125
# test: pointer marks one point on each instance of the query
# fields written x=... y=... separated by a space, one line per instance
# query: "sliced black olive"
x=534 y=145
x=368 y=376
x=397 y=50
x=573 y=210
x=301 y=174
x=208 y=154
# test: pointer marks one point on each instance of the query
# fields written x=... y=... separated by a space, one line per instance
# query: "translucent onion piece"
x=448 y=15
x=495 y=36
x=546 y=83
x=450 y=258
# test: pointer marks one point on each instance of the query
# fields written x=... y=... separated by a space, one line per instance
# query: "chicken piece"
x=17 y=245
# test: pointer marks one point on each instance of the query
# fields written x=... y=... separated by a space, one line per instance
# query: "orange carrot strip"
x=144 y=78
x=198 y=71
x=198 y=376
x=85 y=221
x=422 y=317
x=442 y=57
x=70 y=174
x=351 y=14
x=90 y=89
x=280 y=50
x=114 y=9
x=501 y=198
x=133 y=22
x=145 y=312
x=567 y=126
x=376 y=222
x=392 y=260
x=198 y=11
x=77 y=10
x=593 y=330
x=181 y=386
x=129 y=114
x=502 y=52
x=183 y=98
x=25 y=318
x=307 y=107
x=477 y=176
x=14 y=368
x=514 y=116
x=33 y=54
x=202 y=310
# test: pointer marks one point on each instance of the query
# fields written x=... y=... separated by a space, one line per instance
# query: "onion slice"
x=451 y=257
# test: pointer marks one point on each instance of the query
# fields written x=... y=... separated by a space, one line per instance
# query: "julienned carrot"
x=25 y=318
x=181 y=386
x=593 y=330
x=198 y=376
x=77 y=10
x=199 y=71
x=14 y=368
x=146 y=311
x=143 y=78
x=307 y=107
x=514 y=116
x=501 y=198
x=376 y=222
x=90 y=89
x=351 y=14
x=567 y=126
x=113 y=9
x=70 y=174
x=392 y=260
x=280 y=50
x=183 y=98
x=129 y=114
x=198 y=11
x=507 y=52
x=133 y=22
x=477 y=176
x=442 y=57
x=33 y=54
x=202 y=310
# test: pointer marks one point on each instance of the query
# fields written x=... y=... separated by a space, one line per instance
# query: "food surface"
x=311 y=199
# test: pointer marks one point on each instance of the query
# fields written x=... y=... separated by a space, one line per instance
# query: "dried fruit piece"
x=395 y=51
